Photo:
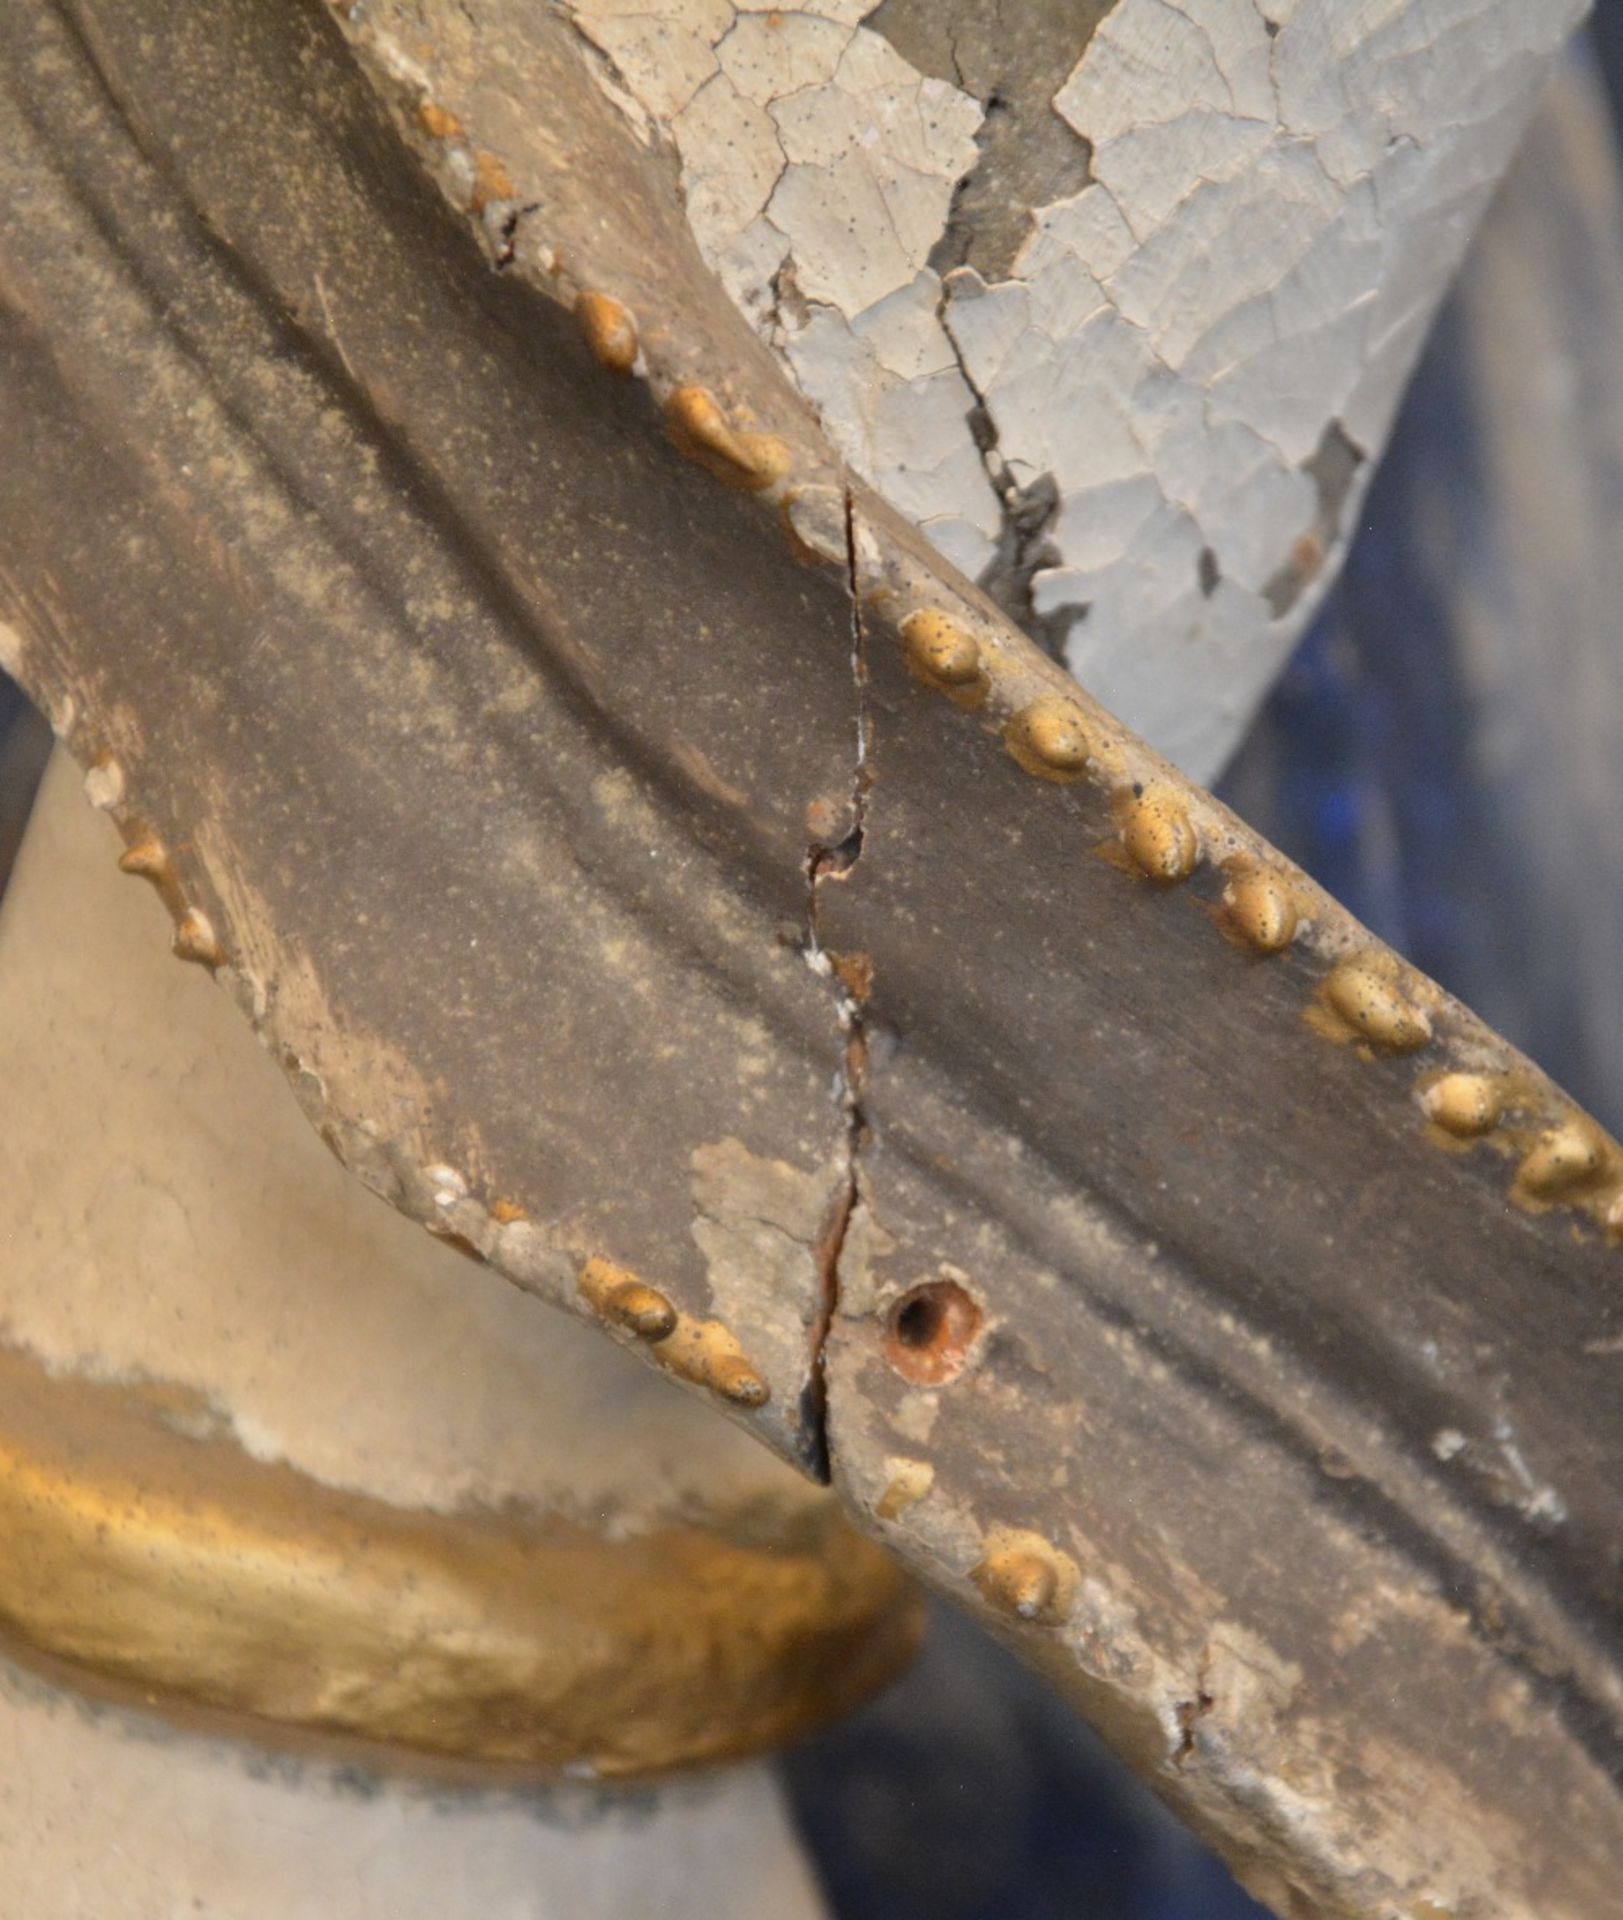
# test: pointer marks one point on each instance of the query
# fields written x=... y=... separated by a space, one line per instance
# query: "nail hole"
x=930 y=1332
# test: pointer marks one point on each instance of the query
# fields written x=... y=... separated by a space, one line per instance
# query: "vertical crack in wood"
x=850 y=975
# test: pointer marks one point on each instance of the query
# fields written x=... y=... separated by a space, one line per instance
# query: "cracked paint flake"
x=818 y=168
x=1123 y=436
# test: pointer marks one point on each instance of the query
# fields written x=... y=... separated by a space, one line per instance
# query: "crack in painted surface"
x=450 y=1193
x=1013 y=56
x=819 y=167
x=1155 y=269
x=1027 y=513
x=851 y=977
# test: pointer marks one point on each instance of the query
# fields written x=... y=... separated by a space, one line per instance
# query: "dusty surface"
x=199 y=1235
x=271 y=1450
x=1287 y=1441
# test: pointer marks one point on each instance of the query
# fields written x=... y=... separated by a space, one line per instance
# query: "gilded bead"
x=1464 y=1104
x=1159 y=836
x=940 y=649
x=1261 y=909
x=1568 y=1156
x=437 y=123
x=736 y=1380
x=1022 y=1575
x=1051 y=738
x=640 y=1309
x=610 y=330
x=1366 y=991
x=910 y=1481
x=148 y=859
x=702 y=431
x=195 y=941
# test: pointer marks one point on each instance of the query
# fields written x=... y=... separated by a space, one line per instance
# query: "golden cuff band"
x=151 y=1553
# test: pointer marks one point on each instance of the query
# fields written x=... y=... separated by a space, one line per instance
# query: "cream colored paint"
x=104 y=1816
x=1281 y=192
x=167 y=1212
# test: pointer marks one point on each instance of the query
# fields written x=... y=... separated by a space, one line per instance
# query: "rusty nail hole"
x=930 y=1332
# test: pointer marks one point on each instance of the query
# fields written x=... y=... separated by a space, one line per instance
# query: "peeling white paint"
x=818 y=168
x=1280 y=193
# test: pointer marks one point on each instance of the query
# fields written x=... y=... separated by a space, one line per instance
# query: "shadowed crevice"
x=851 y=975
x=1013 y=58
x=1333 y=466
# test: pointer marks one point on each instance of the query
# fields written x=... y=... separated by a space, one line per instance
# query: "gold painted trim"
x=144 y=1550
